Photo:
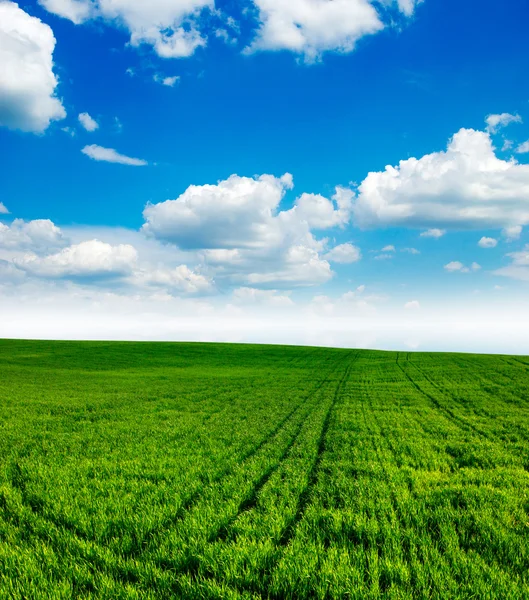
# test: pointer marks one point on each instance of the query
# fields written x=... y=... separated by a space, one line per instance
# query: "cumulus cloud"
x=312 y=27
x=496 y=122
x=465 y=187
x=411 y=250
x=88 y=122
x=239 y=212
x=389 y=248
x=39 y=235
x=238 y=226
x=321 y=213
x=433 y=233
x=171 y=28
x=487 y=242
x=110 y=155
x=27 y=81
x=344 y=254
x=87 y=259
x=456 y=266
x=3 y=209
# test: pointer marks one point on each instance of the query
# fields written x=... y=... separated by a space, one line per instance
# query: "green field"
x=224 y=471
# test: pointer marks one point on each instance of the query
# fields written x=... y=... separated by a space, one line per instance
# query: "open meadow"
x=223 y=471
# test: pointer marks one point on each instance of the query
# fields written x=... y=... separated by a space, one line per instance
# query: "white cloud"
x=487 y=242
x=312 y=27
x=384 y=256
x=512 y=233
x=252 y=296
x=389 y=248
x=411 y=250
x=87 y=259
x=523 y=148
x=3 y=209
x=456 y=266
x=110 y=155
x=244 y=236
x=433 y=233
x=239 y=212
x=27 y=80
x=76 y=11
x=88 y=122
x=344 y=254
x=496 y=122
x=412 y=305
x=322 y=213
x=466 y=186
x=169 y=26
x=39 y=235
x=519 y=267
x=178 y=279
x=167 y=81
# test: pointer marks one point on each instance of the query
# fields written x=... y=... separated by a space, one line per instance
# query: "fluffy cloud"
x=88 y=122
x=27 y=80
x=389 y=248
x=411 y=250
x=465 y=187
x=456 y=266
x=312 y=27
x=487 y=242
x=3 y=209
x=322 y=213
x=496 y=122
x=170 y=27
x=39 y=235
x=87 y=259
x=238 y=226
x=344 y=254
x=239 y=212
x=110 y=155
x=76 y=11
x=523 y=148
x=433 y=233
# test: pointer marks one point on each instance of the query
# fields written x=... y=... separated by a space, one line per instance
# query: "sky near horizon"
x=327 y=172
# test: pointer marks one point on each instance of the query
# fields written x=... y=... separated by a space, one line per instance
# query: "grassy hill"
x=224 y=471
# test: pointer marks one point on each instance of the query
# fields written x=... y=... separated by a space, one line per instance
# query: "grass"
x=221 y=471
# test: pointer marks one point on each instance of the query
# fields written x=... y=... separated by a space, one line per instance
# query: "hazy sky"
x=344 y=172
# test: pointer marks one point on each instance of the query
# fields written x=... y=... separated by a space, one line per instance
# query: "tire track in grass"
x=42 y=511
x=306 y=493
x=251 y=500
x=195 y=497
x=445 y=391
x=189 y=564
x=448 y=413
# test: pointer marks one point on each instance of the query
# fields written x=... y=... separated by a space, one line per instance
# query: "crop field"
x=223 y=471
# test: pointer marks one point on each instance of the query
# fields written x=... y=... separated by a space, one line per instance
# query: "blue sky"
x=209 y=105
